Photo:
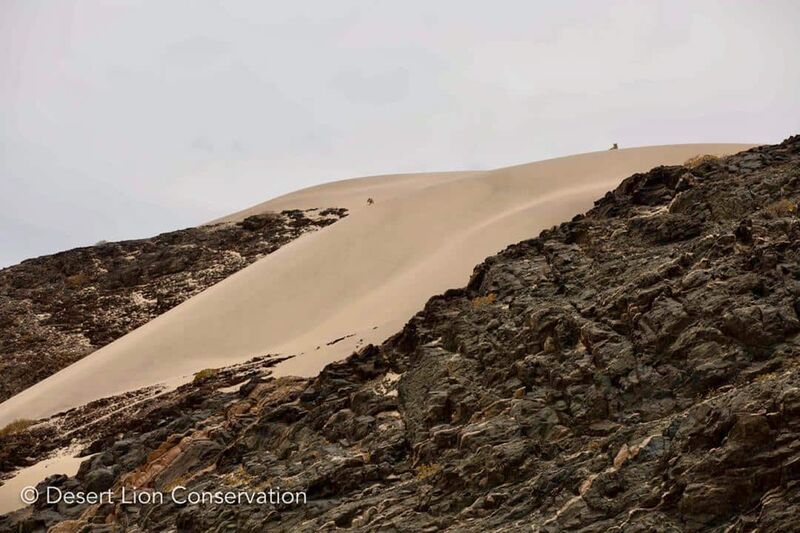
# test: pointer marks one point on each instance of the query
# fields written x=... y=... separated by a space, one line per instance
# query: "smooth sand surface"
x=11 y=489
x=366 y=275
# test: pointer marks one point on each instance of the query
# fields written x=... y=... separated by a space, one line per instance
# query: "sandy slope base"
x=365 y=275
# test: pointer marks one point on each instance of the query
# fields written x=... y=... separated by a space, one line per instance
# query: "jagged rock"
x=99 y=480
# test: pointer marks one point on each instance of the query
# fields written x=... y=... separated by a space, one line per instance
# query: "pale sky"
x=126 y=119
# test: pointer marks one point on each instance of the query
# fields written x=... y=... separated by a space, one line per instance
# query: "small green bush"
x=205 y=374
x=696 y=161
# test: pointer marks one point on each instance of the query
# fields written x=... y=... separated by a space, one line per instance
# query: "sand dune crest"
x=365 y=275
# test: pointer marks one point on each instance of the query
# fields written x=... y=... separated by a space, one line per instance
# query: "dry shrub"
x=16 y=426
x=696 y=161
x=782 y=208
x=428 y=470
x=77 y=280
x=482 y=301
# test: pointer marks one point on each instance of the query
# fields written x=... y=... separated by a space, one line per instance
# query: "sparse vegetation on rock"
x=16 y=426
x=696 y=161
x=205 y=374
x=482 y=301
x=782 y=208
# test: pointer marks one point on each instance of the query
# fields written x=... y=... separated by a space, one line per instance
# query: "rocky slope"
x=634 y=369
x=59 y=308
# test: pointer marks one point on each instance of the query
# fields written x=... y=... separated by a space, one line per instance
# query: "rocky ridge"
x=634 y=369
x=59 y=308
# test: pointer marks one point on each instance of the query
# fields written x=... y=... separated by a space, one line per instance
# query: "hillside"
x=357 y=282
x=633 y=369
x=58 y=308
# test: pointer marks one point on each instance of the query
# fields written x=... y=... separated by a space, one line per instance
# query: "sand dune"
x=365 y=275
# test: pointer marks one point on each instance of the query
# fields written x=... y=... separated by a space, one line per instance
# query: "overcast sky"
x=126 y=119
